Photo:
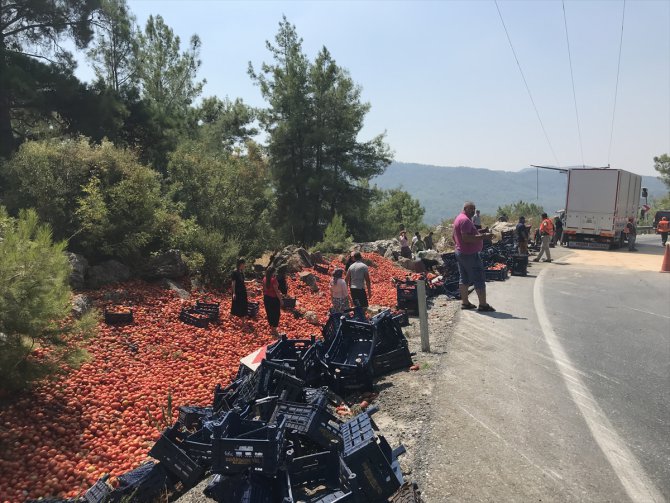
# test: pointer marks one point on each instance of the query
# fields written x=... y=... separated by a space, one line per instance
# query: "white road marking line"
x=635 y=481
x=647 y=312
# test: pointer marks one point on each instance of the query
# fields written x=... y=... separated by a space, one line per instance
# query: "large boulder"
x=294 y=258
x=168 y=284
x=310 y=280
x=379 y=247
x=79 y=266
x=406 y=263
x=431 y=255
x=81 y=304
x=109 y=272
x=169 y=264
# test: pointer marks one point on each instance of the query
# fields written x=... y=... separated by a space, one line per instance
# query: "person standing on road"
x=663 y=228
x=477 y=220
x=358 y=278
x=631 y=233
x=469 y=242
x=546 y=233
x=558 y=233
x=521 y=234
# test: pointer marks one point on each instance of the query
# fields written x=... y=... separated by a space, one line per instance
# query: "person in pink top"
x=469 y=242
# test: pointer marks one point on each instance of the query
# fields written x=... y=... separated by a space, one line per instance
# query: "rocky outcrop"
x=168 y=284
x=311 y=317
x=79 y=266
x=107 y=273
x=169 y=264
x=406 y=263
x=431 y=255
x=294 y=258
x=310 y=280
x=81 y=304
x=380 y=247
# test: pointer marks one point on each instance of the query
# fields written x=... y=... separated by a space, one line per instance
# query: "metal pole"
x=423 y=315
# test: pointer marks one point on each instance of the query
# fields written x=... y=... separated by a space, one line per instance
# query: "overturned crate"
x=370 y=455
x=239 y=445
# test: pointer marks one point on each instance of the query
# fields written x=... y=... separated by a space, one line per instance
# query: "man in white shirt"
x=358 y=278
x=477 y=220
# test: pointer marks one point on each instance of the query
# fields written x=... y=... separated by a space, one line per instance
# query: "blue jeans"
x=471 y=270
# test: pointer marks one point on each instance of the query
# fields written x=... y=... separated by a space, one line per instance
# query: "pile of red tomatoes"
x=59 y=438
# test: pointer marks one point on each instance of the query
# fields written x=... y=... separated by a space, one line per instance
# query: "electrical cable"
x=572 y=77
x=526 y=84
x=616 y=87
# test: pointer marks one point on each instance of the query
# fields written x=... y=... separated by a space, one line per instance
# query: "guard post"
x=423 y=315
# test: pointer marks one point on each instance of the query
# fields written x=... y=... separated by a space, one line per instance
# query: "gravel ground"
x=403 y=397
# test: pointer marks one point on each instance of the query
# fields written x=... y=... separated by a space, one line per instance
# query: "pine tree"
x=313 y=120
x=35 y=323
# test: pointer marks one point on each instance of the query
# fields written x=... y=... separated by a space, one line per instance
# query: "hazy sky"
x=442 y=79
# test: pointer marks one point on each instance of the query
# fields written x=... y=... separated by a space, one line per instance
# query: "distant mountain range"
x=442 y=190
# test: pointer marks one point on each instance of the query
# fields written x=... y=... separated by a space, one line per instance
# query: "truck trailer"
x=598 y=205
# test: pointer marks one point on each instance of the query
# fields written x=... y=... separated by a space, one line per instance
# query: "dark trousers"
x=359 y=297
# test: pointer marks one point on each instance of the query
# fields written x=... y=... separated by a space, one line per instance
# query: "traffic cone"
x=666 y=259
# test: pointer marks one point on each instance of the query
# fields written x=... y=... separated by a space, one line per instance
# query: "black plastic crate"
x=496 y=274
x=352 y=347
x=323 y=269
x=371 y=457
x=392 y=360
x=344 y=381
x=211 y=309
x=252 y=309
x=452 y=289
x=310 y=366
x=312 y=421
x=98 y=492
x=519 y=265
x=315 y=479
x=240 y=445
x=118 y=318
x=405 y=292
x=175 y=459
x=192 y=316
x=248 y=487
x=408 y=493
x=288 y=350
x=402 y=318
x=288 y=303
x=191 y=417
x=144 y=483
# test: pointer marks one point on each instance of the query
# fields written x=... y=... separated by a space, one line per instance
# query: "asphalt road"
x=561 y=395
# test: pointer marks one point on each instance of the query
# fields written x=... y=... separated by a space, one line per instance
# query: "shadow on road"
x=502 y=316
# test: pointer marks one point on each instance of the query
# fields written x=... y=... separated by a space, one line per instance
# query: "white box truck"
x=598 y=204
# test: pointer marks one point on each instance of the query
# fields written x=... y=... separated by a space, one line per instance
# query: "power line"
x=572 y=77
x=526 y=84
x=616 y=87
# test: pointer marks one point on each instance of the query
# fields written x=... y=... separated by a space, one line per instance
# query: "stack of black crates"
x=272 y=436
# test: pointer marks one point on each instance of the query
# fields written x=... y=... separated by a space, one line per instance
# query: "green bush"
x=35 y=304
x=336 y=238
x=98 y=197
